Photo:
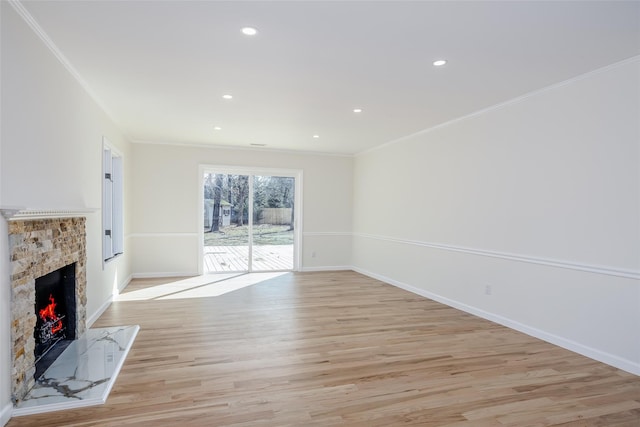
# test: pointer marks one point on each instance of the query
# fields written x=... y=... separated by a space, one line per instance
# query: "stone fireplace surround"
x=38 y=247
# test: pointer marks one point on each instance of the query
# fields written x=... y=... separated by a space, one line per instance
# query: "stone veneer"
x=38 y=247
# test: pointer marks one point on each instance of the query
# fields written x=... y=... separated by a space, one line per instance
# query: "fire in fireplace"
x=55 y=307
x=52 y=328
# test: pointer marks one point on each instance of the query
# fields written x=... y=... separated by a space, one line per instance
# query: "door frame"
x=251 y=171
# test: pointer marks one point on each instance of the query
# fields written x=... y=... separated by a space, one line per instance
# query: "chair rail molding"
x=597 y=269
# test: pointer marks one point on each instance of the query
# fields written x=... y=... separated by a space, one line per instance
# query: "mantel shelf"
x=17 y=212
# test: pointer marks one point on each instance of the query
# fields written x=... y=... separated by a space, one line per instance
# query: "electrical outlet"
x=487 y=290
x=313 y=254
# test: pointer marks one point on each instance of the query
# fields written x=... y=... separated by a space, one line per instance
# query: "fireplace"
x=55 y=309
x=48 y=293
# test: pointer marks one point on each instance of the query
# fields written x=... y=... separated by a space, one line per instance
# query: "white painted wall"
x=51 y=140
x=552 y=177
x=166 y=217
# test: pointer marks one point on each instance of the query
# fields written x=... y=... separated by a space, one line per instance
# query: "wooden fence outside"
x=276 y=216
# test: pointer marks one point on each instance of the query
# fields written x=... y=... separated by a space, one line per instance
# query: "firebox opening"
x=55 y=309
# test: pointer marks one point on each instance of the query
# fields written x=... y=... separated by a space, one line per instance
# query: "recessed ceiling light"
x=249 y=31
x=217 y=128
x=357 y=110
x=439 y=62
x=316 y=136
x=227 y=96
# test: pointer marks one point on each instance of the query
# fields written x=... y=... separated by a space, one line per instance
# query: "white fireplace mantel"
x=19 y=212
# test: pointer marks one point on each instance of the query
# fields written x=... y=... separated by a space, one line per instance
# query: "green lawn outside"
x=263 y=234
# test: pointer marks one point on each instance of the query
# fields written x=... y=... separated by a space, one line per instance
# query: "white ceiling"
x=160 y=68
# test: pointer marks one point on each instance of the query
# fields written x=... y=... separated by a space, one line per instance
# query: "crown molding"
x=240 y=148
x=39 y=31
x=502 y=104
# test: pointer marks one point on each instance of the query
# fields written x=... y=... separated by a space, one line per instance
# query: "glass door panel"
x=273 y=223
x=226 y=223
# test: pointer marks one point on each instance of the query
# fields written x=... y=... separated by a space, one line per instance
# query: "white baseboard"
x=601 y=356
x=5 y=414
x=174 y=274
x=125 y=283
x=92 y=319
x=327 y=268
x=161 y=275
x=95 y=316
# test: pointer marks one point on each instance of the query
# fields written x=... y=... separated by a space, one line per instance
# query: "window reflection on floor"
x=207 y=285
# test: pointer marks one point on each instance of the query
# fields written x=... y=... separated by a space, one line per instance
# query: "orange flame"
x=48 y=313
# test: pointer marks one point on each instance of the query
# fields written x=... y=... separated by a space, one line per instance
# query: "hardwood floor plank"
x=341 y=349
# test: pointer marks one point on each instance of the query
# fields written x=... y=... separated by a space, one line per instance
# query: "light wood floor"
x=341 y=349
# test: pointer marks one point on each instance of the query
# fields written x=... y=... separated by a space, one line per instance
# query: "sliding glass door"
x=248 y=221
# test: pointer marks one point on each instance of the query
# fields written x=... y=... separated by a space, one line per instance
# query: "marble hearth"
x=83 y=374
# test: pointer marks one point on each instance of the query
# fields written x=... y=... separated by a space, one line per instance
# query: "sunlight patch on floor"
x=207 y=285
